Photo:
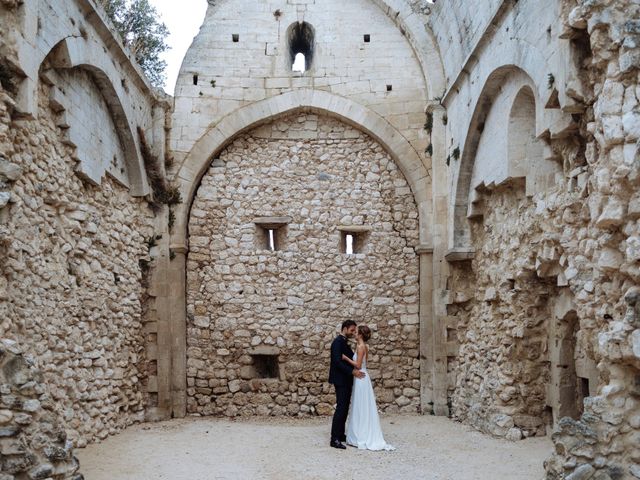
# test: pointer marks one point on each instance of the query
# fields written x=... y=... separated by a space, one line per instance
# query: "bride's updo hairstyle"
x=365 y=332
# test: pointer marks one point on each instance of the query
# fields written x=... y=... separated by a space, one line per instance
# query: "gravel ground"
x=429 y=448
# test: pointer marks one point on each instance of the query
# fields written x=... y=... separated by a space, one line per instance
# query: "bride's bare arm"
x=347 y=359
x=361 y=350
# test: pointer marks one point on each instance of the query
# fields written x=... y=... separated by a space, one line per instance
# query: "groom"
x=341 y=376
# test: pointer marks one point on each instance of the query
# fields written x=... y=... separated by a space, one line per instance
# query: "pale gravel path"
x=429 y=448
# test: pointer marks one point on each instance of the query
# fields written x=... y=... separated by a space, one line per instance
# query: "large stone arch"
x=243 y=119
x=73 y=52
x=459 y=234
x=172 y=364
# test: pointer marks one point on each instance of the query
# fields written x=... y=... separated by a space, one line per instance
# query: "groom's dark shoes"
x=337 y=444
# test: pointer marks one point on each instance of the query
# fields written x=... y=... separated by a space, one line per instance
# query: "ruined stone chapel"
x=461 y=176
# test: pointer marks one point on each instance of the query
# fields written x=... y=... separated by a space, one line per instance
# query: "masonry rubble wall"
x=244 y=300
x=539 y=260
x=33 y=441
x=538 y=266
x=74 y=241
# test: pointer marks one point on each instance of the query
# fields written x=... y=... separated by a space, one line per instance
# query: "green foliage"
x=429 y=150
x=172 y=220
x=428 y=124
x=142 y=32
x=163 y=192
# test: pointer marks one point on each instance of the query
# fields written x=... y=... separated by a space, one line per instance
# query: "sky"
x=183 y=19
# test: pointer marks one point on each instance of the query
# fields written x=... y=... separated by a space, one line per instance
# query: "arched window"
x=301 y=38
x=299 y=64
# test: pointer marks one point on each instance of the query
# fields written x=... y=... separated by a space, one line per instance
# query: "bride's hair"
x=365 y=332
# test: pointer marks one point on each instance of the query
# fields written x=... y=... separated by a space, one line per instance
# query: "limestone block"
x=583 y=472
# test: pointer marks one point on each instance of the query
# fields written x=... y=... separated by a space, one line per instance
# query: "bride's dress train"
x=363 y=427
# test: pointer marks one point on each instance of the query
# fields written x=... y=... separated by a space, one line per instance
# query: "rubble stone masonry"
x=245 y=301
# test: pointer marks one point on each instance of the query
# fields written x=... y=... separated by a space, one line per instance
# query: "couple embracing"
x=348 y=374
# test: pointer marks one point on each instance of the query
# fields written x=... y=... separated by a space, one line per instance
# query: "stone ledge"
x=423 y=248
x=460 y=254
x=272 y=221
x=354 y=228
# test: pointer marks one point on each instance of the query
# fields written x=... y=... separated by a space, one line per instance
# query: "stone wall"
x=244 y=300
x=220 y=75
x=72 y=281
x=33 y=441
x=546 y=310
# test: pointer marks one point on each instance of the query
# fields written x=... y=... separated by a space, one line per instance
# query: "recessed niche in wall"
x=389 y=88
x=235 y=38
x=271 y=232
x=367 y=38
x=266 y=363
x=353 y=238
x=266 y=366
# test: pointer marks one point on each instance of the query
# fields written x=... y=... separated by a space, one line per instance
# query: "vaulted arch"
x=78 y=53
x=220 y=134
x=172 y=386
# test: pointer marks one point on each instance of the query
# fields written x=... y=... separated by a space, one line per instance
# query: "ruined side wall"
x=244 y=299
x=71 y=279
x=74 y=242
x=568 y=252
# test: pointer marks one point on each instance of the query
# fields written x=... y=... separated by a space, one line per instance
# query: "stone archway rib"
x=246 y=118
x=172 y=307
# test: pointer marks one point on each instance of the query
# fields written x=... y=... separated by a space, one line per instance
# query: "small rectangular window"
x=271 y=232
x=266 y=366
x=235 y=37
x=352 y=243
x=349 y=243
x=389 y=88
x=195 y=79
x=271 y=239
x=367 y=38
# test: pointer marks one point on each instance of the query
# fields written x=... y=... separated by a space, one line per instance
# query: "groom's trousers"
x=343 y=399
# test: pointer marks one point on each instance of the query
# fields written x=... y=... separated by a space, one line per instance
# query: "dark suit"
x=341 y=376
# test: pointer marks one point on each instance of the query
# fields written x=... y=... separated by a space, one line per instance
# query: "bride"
x=363 y=427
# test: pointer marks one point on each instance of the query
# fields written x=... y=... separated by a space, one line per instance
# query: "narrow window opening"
x=235 y=37
x=299 y=63
x=266 y=366
x=271 y=240
x=389 y=88
x=195 y=79
x=271 y=233
x=301 y=38
x=352 y=243
x=584 y=387
x=367 y=38
x=349 y=244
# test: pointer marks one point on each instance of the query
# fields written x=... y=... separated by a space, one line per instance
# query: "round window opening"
x=301 y=38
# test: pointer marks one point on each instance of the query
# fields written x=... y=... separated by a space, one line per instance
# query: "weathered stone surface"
x=536 y=328
x=37 y=449
x=250 y=302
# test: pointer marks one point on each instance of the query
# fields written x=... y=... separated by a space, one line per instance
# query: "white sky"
x=183 y=18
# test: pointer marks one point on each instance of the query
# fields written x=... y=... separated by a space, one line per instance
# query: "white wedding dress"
x=363 y=426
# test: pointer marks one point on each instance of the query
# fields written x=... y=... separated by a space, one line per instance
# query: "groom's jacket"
x=340 y=372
